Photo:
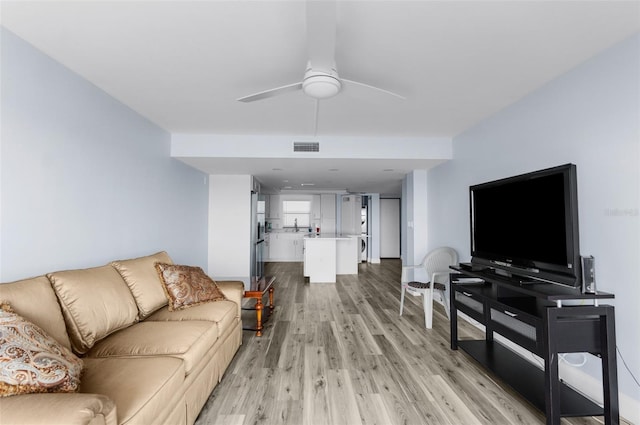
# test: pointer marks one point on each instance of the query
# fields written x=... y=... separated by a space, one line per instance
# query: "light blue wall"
x=85 y=179
x=374 y=236
x=590 y=117
x=405 y=204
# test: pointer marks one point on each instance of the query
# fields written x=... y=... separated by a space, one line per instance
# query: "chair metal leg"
x=402 y=299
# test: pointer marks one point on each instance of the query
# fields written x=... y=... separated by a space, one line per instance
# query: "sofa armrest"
x=233 y=290
x=59 y=408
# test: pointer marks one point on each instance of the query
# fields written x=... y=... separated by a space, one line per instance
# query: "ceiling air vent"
x=306 y=147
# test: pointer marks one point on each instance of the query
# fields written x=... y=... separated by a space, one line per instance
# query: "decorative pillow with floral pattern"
x=31 y=361
x=187 y=286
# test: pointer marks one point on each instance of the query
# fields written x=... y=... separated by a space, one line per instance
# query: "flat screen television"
x=527 y=226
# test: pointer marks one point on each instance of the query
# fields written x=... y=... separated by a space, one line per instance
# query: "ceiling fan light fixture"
x=321 y=86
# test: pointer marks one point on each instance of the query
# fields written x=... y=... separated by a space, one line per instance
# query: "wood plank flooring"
x=340 y=354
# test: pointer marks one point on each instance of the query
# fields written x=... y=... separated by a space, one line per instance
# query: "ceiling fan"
x=321 y=80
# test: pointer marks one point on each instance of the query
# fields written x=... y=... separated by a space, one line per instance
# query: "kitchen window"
x=296 y=213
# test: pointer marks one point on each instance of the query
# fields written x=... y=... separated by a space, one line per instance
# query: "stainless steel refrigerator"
x=257 y=235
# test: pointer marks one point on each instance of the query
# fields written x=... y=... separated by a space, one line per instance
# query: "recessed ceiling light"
x=287 y=187
x=388 y=169
x=307 y=184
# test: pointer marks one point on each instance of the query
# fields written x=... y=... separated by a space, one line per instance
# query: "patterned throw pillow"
x=187 y=286
x=31 y=361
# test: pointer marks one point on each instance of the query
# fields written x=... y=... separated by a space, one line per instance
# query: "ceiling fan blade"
x=271 y=92
x=352 y=84
x=322 y=21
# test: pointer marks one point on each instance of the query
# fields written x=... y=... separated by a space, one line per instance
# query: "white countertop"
x=329 y=236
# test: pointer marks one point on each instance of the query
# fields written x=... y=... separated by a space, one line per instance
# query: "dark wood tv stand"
x=534 y=317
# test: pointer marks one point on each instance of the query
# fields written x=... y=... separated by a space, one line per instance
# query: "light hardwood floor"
x=341 y=354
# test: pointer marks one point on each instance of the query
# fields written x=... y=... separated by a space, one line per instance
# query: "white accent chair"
x=436 y=264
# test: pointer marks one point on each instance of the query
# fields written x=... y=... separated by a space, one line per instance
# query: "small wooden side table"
x=257 y=290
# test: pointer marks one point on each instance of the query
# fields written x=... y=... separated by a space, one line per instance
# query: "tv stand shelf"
x=532 y=316
x=542 y=290
x=527 y=380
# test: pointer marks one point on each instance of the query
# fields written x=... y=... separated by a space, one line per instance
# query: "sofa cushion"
x=234 y=291
x=188 y=340
x=58 y=409
x=142 y=278
x=222 y=313
x=35 y=300
x=95 y=303
x=187 y=286
x=31 y=361
x=140 y=387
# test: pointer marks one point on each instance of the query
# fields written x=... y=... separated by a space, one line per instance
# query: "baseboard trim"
x=591 y=388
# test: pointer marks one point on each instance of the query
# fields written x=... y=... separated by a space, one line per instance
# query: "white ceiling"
x=182 y=64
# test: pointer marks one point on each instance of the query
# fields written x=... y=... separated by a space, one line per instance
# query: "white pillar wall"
x=414 y=218
x=374 y=235
x=229 y=254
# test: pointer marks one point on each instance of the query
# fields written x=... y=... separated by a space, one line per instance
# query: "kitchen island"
x=327 y=255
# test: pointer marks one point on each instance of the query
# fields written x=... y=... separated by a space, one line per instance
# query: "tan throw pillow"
x=95 y=302
x=31 y=361
x=186 y=286
x=142 y=278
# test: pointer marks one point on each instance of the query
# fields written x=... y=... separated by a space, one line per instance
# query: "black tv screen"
x=528 y=225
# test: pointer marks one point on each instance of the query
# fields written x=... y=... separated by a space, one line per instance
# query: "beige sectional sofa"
x=143 y=364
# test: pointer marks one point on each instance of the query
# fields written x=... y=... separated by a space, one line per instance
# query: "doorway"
x=390 y=228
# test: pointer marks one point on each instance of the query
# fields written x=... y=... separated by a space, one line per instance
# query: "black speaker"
x=588 y=274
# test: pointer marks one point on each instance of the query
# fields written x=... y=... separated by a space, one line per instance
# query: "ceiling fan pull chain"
x=315 y=126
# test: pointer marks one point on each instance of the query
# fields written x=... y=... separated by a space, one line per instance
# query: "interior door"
x=390 y=228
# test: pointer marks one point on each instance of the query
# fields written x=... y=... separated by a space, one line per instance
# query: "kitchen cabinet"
x=327 y=213
x=326 y=256
x=275 y=207
x=351 y=215
x=316 y=215
x=320 y=259
x=328 y=205
x=298 y=248
x=277 y=247
x=286 y=246
x=267 y=206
